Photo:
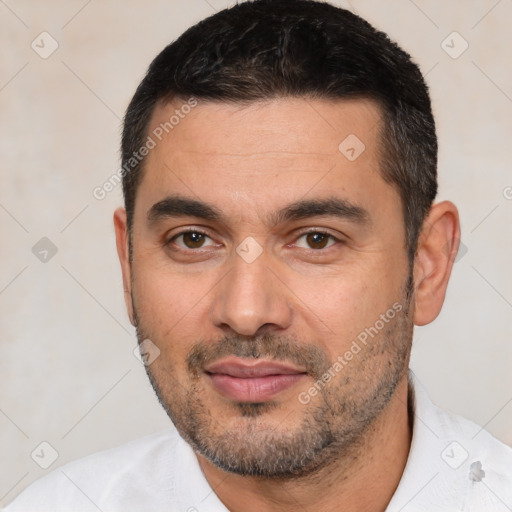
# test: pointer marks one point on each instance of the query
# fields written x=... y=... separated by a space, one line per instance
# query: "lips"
x=244 y=380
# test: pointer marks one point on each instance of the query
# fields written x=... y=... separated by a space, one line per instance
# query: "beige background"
x=67 y=372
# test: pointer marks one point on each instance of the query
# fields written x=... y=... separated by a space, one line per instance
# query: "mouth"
x=252 y=381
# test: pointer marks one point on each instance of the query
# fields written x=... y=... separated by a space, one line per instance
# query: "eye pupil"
x=193 y=239
x=317 y=240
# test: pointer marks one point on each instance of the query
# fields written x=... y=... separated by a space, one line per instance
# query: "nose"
x=251 y=299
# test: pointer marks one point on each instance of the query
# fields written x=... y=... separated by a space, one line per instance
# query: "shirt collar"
x=432 y=475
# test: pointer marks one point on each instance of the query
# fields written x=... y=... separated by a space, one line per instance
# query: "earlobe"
x=437 y=248
x=121 y=229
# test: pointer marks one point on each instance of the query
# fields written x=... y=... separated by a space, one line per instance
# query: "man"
x=278 y=243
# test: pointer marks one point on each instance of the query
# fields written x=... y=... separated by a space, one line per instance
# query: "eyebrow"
x=179 y=206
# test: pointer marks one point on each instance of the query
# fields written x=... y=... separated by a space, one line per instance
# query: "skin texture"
x=304 y=300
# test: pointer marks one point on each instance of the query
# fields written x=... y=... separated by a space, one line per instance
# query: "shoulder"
x=477 y=466
x=484 y=461
x=453 y=464
x=92 y=481
x=468 y=442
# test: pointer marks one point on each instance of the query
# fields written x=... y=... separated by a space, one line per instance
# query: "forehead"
x=280 y=150
x=286 y=124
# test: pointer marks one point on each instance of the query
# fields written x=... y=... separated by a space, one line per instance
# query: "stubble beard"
x=333 y=425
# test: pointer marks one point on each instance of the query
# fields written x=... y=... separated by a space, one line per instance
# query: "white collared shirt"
x=453 y=466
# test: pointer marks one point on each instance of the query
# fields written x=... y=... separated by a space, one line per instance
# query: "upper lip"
x=243 y=368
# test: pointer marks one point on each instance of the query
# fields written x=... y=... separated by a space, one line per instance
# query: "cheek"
x=168 y=309
x=165 y=295
x=341 y=305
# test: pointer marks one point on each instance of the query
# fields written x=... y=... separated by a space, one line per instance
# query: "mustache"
x=272 y=347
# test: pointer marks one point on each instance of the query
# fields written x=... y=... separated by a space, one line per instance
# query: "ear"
x=438 y=244
x=121 y=227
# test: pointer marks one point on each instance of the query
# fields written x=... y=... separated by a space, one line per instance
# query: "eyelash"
x=315 y=231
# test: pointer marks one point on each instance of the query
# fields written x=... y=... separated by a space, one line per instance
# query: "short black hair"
x=264 y=49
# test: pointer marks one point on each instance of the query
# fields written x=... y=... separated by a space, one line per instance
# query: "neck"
x=364 y=480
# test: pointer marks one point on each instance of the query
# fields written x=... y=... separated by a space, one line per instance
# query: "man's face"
x=290 y=259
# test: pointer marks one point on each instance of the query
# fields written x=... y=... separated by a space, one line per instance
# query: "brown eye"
x=193 y=240
x=316 y=240
x=190 y=239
